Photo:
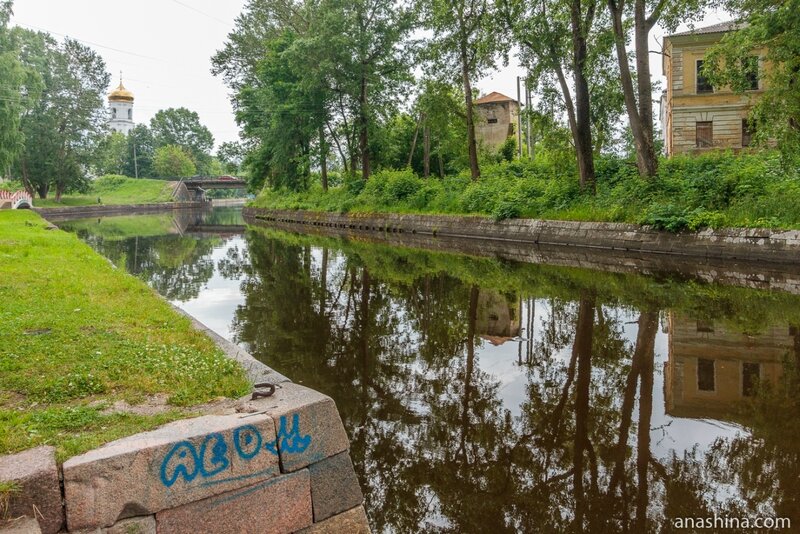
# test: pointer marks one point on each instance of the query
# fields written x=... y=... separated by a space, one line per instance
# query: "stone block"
x=334 y=486
x=36 y=474
x=134 y=525
x=307 y=424
x=276 y=506
x=178 y=463
x=20 y=525
x=352 y=521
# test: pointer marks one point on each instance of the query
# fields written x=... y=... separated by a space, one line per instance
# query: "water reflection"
x=488 y=396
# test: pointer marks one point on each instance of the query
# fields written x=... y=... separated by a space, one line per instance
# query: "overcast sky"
x=163 y=48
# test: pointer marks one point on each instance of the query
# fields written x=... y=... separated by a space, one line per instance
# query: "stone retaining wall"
x=278 y=464
x=750 y=244
x=775 y=275
x=75 y=212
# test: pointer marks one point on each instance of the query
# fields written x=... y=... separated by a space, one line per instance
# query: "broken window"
x=704 y=132
x=748 y=130
x=705 y=375
x=751 y=72
x=751 y=373
x=703 y=85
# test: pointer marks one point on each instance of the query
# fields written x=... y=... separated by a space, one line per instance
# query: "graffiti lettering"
x=289 y=441
x=184 y=462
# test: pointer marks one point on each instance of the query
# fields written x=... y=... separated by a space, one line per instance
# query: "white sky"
x=163 y=48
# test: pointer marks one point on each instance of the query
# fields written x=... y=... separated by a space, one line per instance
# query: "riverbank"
x=714 y=190
x=75 y=212
x=112 y=190
x=82 y=339
x=753 y=245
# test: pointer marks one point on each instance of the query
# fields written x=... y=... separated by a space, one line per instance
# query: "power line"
x=212 y=17
x=31 y=26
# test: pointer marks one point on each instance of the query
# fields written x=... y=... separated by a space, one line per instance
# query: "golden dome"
x=120 y=94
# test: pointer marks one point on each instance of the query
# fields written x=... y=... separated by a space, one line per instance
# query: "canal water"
x=483 y=395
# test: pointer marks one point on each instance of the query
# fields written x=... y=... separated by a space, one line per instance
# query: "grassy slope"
x=79 y=334
x=116 y=190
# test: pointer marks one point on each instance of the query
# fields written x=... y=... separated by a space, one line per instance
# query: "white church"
x=120 y=103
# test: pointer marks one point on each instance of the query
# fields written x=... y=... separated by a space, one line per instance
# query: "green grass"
x=79 y=334
x=115 y=190
x=718 y=189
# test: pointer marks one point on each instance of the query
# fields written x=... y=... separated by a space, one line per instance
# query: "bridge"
x=16 y=201
x=198 y=185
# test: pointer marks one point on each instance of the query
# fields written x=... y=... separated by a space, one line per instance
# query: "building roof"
x=722 y=27
x=120 y=94
x=494 y=96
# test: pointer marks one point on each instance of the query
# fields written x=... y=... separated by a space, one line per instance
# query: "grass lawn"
x=115 y=190
x=78 y=334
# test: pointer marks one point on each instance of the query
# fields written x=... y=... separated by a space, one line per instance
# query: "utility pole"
x=135 y=161
x=528 y=116
x=519 y=122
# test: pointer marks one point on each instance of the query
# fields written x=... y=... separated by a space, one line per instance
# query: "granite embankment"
x=756 y=258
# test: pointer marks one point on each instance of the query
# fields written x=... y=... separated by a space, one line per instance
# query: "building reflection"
x=498 y=317
x=711 y=367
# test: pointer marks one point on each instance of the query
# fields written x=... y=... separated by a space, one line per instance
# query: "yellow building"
x=694 y=115
x=712 y=368
x=496 y=119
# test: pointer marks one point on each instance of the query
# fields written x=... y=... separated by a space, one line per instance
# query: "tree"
x=64 y=126
x=18 y=86
x=231 y=154
x=172 y=161
x=559 y=38
x=464 y=42
x=140 y=152
x=112 y=154
x=774 y=26
x=182 y=127
x=639 y=101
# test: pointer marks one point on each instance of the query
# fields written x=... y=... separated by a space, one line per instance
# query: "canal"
x=483 y=395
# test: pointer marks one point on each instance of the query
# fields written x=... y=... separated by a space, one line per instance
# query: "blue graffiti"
x=183 y=460
x=247 y=440
x=289 y=441
x=218 y=460
x=185 y=464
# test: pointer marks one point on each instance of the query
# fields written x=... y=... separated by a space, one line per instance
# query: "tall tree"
x=560 y=38
x=643 y=15
x=64 y=126
x=140 y=152
x=464 y=45
x=182 y=127
x=13 y=94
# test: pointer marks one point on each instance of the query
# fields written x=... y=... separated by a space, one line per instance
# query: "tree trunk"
x=640 y=118
x=583 y=120
x=323 y=158
x=363 y=140
x=472 y=317
x=643 y=438
x=583 y=350
x=426 y=151
x=475 y=171
x=414 y=141
x=441 y=162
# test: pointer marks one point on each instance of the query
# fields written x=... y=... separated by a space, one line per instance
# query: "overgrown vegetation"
x=718 y=189
x=79 y=335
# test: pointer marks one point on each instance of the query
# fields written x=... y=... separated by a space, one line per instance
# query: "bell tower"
x=120 y=103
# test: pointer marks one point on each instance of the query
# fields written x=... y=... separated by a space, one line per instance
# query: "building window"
x=751 y=373
x=751 y=72
x=748 y=130
x=130 y=113
x=704 y=134
x=492 y=121
x=705 y=374
x=703 y=85
x=113 y=113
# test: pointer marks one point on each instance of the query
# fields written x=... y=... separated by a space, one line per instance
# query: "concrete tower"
x=120 y=103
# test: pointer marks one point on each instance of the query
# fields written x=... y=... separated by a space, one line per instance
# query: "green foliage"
x=172 y=161
x=116 y=190
x=181 y=127
x=508 y=149
x=715 y=190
